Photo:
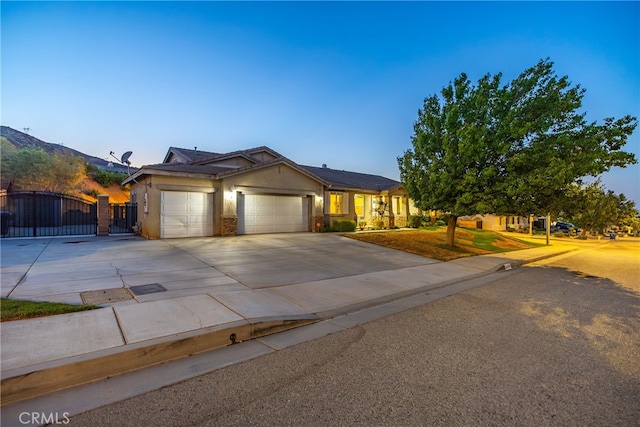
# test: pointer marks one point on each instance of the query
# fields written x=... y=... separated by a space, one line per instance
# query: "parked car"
x=564 y=227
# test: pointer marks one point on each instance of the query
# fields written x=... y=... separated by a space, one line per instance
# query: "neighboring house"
x=199 y=193
x=494 y=222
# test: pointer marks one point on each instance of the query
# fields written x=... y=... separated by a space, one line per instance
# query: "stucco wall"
x=235 y=161
x=153 y=186
x=277 y=179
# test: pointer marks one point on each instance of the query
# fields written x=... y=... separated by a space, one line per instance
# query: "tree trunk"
x=530 y=225
x=451 y=230
x=548 y=224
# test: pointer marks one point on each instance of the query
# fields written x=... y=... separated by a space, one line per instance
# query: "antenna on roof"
x=26 y=130
x=124 y=159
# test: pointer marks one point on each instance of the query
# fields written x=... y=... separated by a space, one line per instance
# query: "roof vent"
x=324 y=166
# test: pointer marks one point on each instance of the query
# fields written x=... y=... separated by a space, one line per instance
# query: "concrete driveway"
x=126 y=269
x=167 y=299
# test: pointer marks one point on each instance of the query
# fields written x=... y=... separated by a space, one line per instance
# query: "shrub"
x=345 y=225
x=415 y=221
x=440 y=223
x=108 y=178
x=559 y=234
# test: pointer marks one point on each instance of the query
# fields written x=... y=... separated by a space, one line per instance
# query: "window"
x=358 y=202
x=335 y=203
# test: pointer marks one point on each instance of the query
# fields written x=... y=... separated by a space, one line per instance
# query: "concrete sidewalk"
x=167 y=299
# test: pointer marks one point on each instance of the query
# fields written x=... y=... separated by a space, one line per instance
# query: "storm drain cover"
x=147 y=289
x=106 y=296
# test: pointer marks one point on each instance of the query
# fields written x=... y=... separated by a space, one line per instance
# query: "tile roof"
x=197 y=163
x=188 y=168
x=347 y=179
x=200 y=156
x=191 y=155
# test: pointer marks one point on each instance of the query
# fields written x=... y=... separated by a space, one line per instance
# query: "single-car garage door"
x=258 y=213
x=186 y=214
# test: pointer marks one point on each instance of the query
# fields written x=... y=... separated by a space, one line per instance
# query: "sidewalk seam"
x=120 y=328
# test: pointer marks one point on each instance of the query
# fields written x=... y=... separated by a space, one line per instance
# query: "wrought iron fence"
x=123 y=217
x=37 y=213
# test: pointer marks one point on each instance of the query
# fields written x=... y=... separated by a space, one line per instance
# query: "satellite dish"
x=125 y=158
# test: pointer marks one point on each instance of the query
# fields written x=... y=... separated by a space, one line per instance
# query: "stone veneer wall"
x=229 y=226
x=392 y=221
x=384 y=222
x=317 y=223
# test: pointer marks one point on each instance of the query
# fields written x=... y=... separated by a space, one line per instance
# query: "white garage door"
x=272 y=214
x=186 y=214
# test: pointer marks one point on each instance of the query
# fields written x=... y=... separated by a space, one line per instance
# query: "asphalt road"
x=554 y=344
x=618 y=260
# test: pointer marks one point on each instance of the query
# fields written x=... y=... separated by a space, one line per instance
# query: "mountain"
x=88 y=188
x=23 y=140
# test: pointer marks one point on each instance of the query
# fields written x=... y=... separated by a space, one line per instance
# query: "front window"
x=335 y=206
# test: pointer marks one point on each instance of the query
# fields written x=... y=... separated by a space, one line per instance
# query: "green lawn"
x=485 y=240
x=13 y=309
x=431 y=242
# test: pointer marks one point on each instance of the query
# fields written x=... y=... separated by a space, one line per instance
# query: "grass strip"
x=14 y=309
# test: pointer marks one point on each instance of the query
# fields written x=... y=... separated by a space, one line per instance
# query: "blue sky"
x=321 y=82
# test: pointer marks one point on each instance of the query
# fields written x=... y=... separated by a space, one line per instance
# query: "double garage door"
x=186 y=214
x=259 y=213
x=190 y=214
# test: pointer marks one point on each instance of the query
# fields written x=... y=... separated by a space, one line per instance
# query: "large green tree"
x=594 y=208
x=507 y=149
x=35 y=169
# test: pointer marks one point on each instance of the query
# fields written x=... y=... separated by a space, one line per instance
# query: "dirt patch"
x=432 y=243
x=510 y=244
x=115 y=192
x=88 y=189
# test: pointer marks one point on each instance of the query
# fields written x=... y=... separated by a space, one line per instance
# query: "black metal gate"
x=37 y=213
x=123 y=217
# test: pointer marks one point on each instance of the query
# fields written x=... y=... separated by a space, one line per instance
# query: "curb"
x=47 y=377
x=520 y=263
x=36 y=380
